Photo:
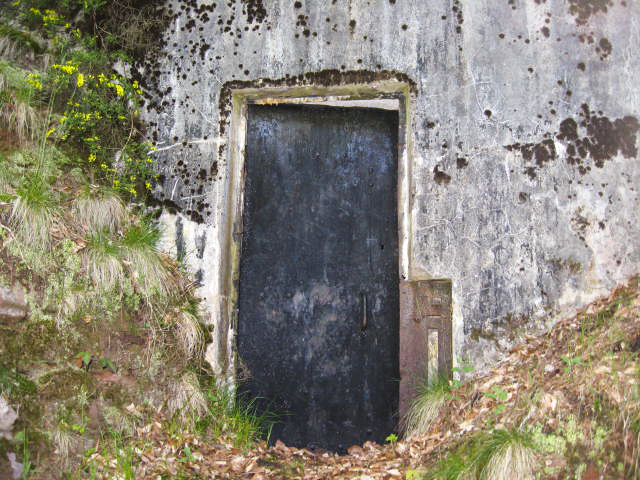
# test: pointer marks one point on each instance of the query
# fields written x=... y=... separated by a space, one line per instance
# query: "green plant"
x=392 y=438
x=12 y=382
x=234 y=416
x=570 y=361
x=104 y=261
x=498 y=395
x=414 y=475
x=27 y=467
x=124 y=453
x=499 y=455
x=188 y=402
x=148 y=269
x=34 y=212
x=425 y=407
x=20 y=40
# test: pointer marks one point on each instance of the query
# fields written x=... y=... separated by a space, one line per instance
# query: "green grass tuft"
x=146 y=263
x=34 y=212
x=188 y=402
x=425 y=407
x=13 y=40
x=499 y=455
x=103 y=260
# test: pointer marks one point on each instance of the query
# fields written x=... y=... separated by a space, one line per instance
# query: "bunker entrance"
x=318 y=296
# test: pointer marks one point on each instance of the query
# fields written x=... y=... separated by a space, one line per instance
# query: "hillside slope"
x=563 y=405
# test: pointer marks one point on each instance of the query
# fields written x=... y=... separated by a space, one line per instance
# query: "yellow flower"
x=35 y=10
x=116 y=183
x=92 y=158
x=135 y=84
x=33 y=79
x=148 y=185
x=119 y=90
x=68 y=68
x=103 y=166
x=80 y=79
x=63 y=119
x=133 y=191
x=50 y=131
x=133 y=178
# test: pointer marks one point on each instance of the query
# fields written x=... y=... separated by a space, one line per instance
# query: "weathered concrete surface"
x=524 y=135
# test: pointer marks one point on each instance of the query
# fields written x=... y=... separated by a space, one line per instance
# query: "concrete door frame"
x=393 y=95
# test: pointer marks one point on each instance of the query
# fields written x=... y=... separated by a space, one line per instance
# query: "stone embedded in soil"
x=8 y=416
x=13 y=305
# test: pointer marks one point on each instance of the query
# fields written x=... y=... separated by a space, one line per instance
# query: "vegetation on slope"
x=565 y=405
x=102 y=331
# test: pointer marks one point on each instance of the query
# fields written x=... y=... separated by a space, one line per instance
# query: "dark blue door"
x=318 y=293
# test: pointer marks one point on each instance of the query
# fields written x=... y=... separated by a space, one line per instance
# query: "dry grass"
x=103 y=262
x=98 y=209
x=425 y=408
x=33 y=215
x=190 y=335
x=188 y=401
x=511 y=459
x=150 y=272
x=20 y=118
x=65 y=442
x=17 y=113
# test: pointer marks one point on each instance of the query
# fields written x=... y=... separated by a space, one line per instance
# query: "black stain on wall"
x=598 y=137
x=592 y=136
x=542 y=152
x=441 y=178
x=582 y=10
x=325 y=78
x=255 y=11
x=604 y=48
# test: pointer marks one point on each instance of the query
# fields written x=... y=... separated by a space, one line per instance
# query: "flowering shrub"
x=98 y=109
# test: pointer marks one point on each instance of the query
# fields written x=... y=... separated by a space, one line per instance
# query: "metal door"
x=318 y=292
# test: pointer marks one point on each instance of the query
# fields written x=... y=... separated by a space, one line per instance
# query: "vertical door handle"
x=363 y=326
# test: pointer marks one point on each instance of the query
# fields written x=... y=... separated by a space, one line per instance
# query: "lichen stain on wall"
x=524 y=135
x=595 y=137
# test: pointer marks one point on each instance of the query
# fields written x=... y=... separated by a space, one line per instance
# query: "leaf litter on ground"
x=586 y=360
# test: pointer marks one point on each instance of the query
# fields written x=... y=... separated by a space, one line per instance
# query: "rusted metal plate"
x=425 y=307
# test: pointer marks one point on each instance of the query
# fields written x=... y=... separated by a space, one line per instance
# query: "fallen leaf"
x=601 y=369
x=489 y=383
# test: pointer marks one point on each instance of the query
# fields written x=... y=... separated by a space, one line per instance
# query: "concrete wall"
x=522 y=141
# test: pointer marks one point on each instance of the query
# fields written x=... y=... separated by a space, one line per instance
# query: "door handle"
x=363 y=325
